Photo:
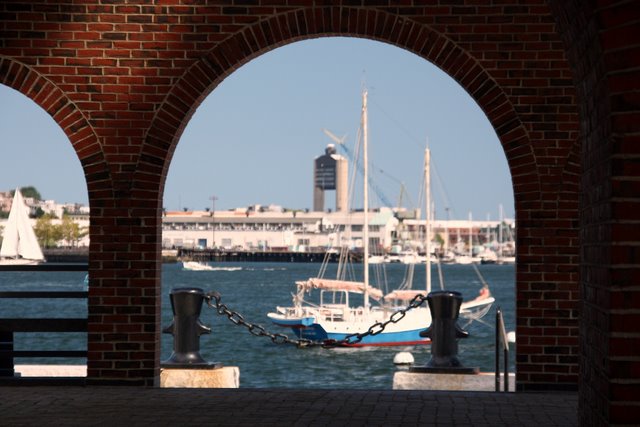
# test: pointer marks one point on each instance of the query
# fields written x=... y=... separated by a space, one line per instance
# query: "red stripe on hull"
x=390 y=344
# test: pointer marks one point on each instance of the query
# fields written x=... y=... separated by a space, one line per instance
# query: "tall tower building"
x=330 y=172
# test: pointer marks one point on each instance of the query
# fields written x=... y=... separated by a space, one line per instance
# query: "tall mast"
x=365 y=194
x=427 y=224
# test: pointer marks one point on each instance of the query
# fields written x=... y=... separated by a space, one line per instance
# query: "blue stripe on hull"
x=313 y=332
x=316 y=332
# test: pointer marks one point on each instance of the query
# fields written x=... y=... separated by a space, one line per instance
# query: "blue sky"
x=254 y=138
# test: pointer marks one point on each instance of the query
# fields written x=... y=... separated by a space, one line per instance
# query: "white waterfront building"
x=273 y=229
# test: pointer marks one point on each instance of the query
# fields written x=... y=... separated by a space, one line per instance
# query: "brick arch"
x=64 y=112
x=533 y=114
x=205 y=74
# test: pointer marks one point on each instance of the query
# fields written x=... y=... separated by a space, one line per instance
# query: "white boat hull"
x=327 y=324
x=19 y=261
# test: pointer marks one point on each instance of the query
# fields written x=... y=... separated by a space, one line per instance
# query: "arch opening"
x=39 y=160
x=243 y=148
x=38 y=152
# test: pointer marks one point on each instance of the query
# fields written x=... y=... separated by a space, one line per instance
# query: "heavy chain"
x=351 y=339
x=378 y=327
x=254 y=329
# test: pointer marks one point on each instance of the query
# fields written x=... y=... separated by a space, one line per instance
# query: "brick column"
x=124 y=293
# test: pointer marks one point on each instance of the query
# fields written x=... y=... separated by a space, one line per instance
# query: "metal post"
x=186 y=330
x=506 y=368
x=498 y=314
x=444 y=333
x=501 y=338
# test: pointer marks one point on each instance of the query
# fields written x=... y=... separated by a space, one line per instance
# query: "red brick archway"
x=545 y=180
x=122 y=79
x=139 y=106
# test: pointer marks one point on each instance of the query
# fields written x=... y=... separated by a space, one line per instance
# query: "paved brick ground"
x=125 y=406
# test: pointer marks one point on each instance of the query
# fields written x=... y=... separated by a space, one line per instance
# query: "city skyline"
x=254 y=138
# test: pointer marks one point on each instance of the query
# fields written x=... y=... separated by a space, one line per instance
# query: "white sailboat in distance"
x=19 y=243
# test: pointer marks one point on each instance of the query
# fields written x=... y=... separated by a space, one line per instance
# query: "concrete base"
x=485 y=381
x=50 y=370
x=225 y=377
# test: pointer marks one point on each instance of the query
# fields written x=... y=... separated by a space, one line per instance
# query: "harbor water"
x=253 y=290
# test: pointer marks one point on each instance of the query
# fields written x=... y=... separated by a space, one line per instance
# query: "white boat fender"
x=403 y=358
x=511 y=336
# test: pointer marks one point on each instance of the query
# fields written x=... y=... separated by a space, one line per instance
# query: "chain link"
x=416 y=302
x=351 y=339
x=254 y=329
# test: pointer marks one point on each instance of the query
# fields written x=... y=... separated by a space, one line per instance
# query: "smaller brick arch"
x=55 y=102
x=85 y=142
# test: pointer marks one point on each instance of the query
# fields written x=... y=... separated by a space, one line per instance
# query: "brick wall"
x=604 y=48
x=123 y=78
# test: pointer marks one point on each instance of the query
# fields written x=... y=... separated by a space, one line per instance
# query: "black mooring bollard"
x=186 y=329
x=444 y=333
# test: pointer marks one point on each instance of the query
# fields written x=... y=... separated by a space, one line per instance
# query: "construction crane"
x=403 y=189
x=347 y=151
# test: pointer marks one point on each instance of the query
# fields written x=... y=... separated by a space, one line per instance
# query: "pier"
x=212 y=255
x=218 y=255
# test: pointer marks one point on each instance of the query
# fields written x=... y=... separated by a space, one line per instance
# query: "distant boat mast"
x=365 y=194
x=427 y=224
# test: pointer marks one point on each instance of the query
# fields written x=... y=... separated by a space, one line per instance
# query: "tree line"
x=50 y=235
x=67 y=233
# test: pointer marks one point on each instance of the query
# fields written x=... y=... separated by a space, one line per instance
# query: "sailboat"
x=502 y=258
x=470 y=310
x=19 y=243
x=334 y=318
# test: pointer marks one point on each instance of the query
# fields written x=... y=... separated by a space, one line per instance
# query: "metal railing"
x=501 y=341
x=11 y=326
